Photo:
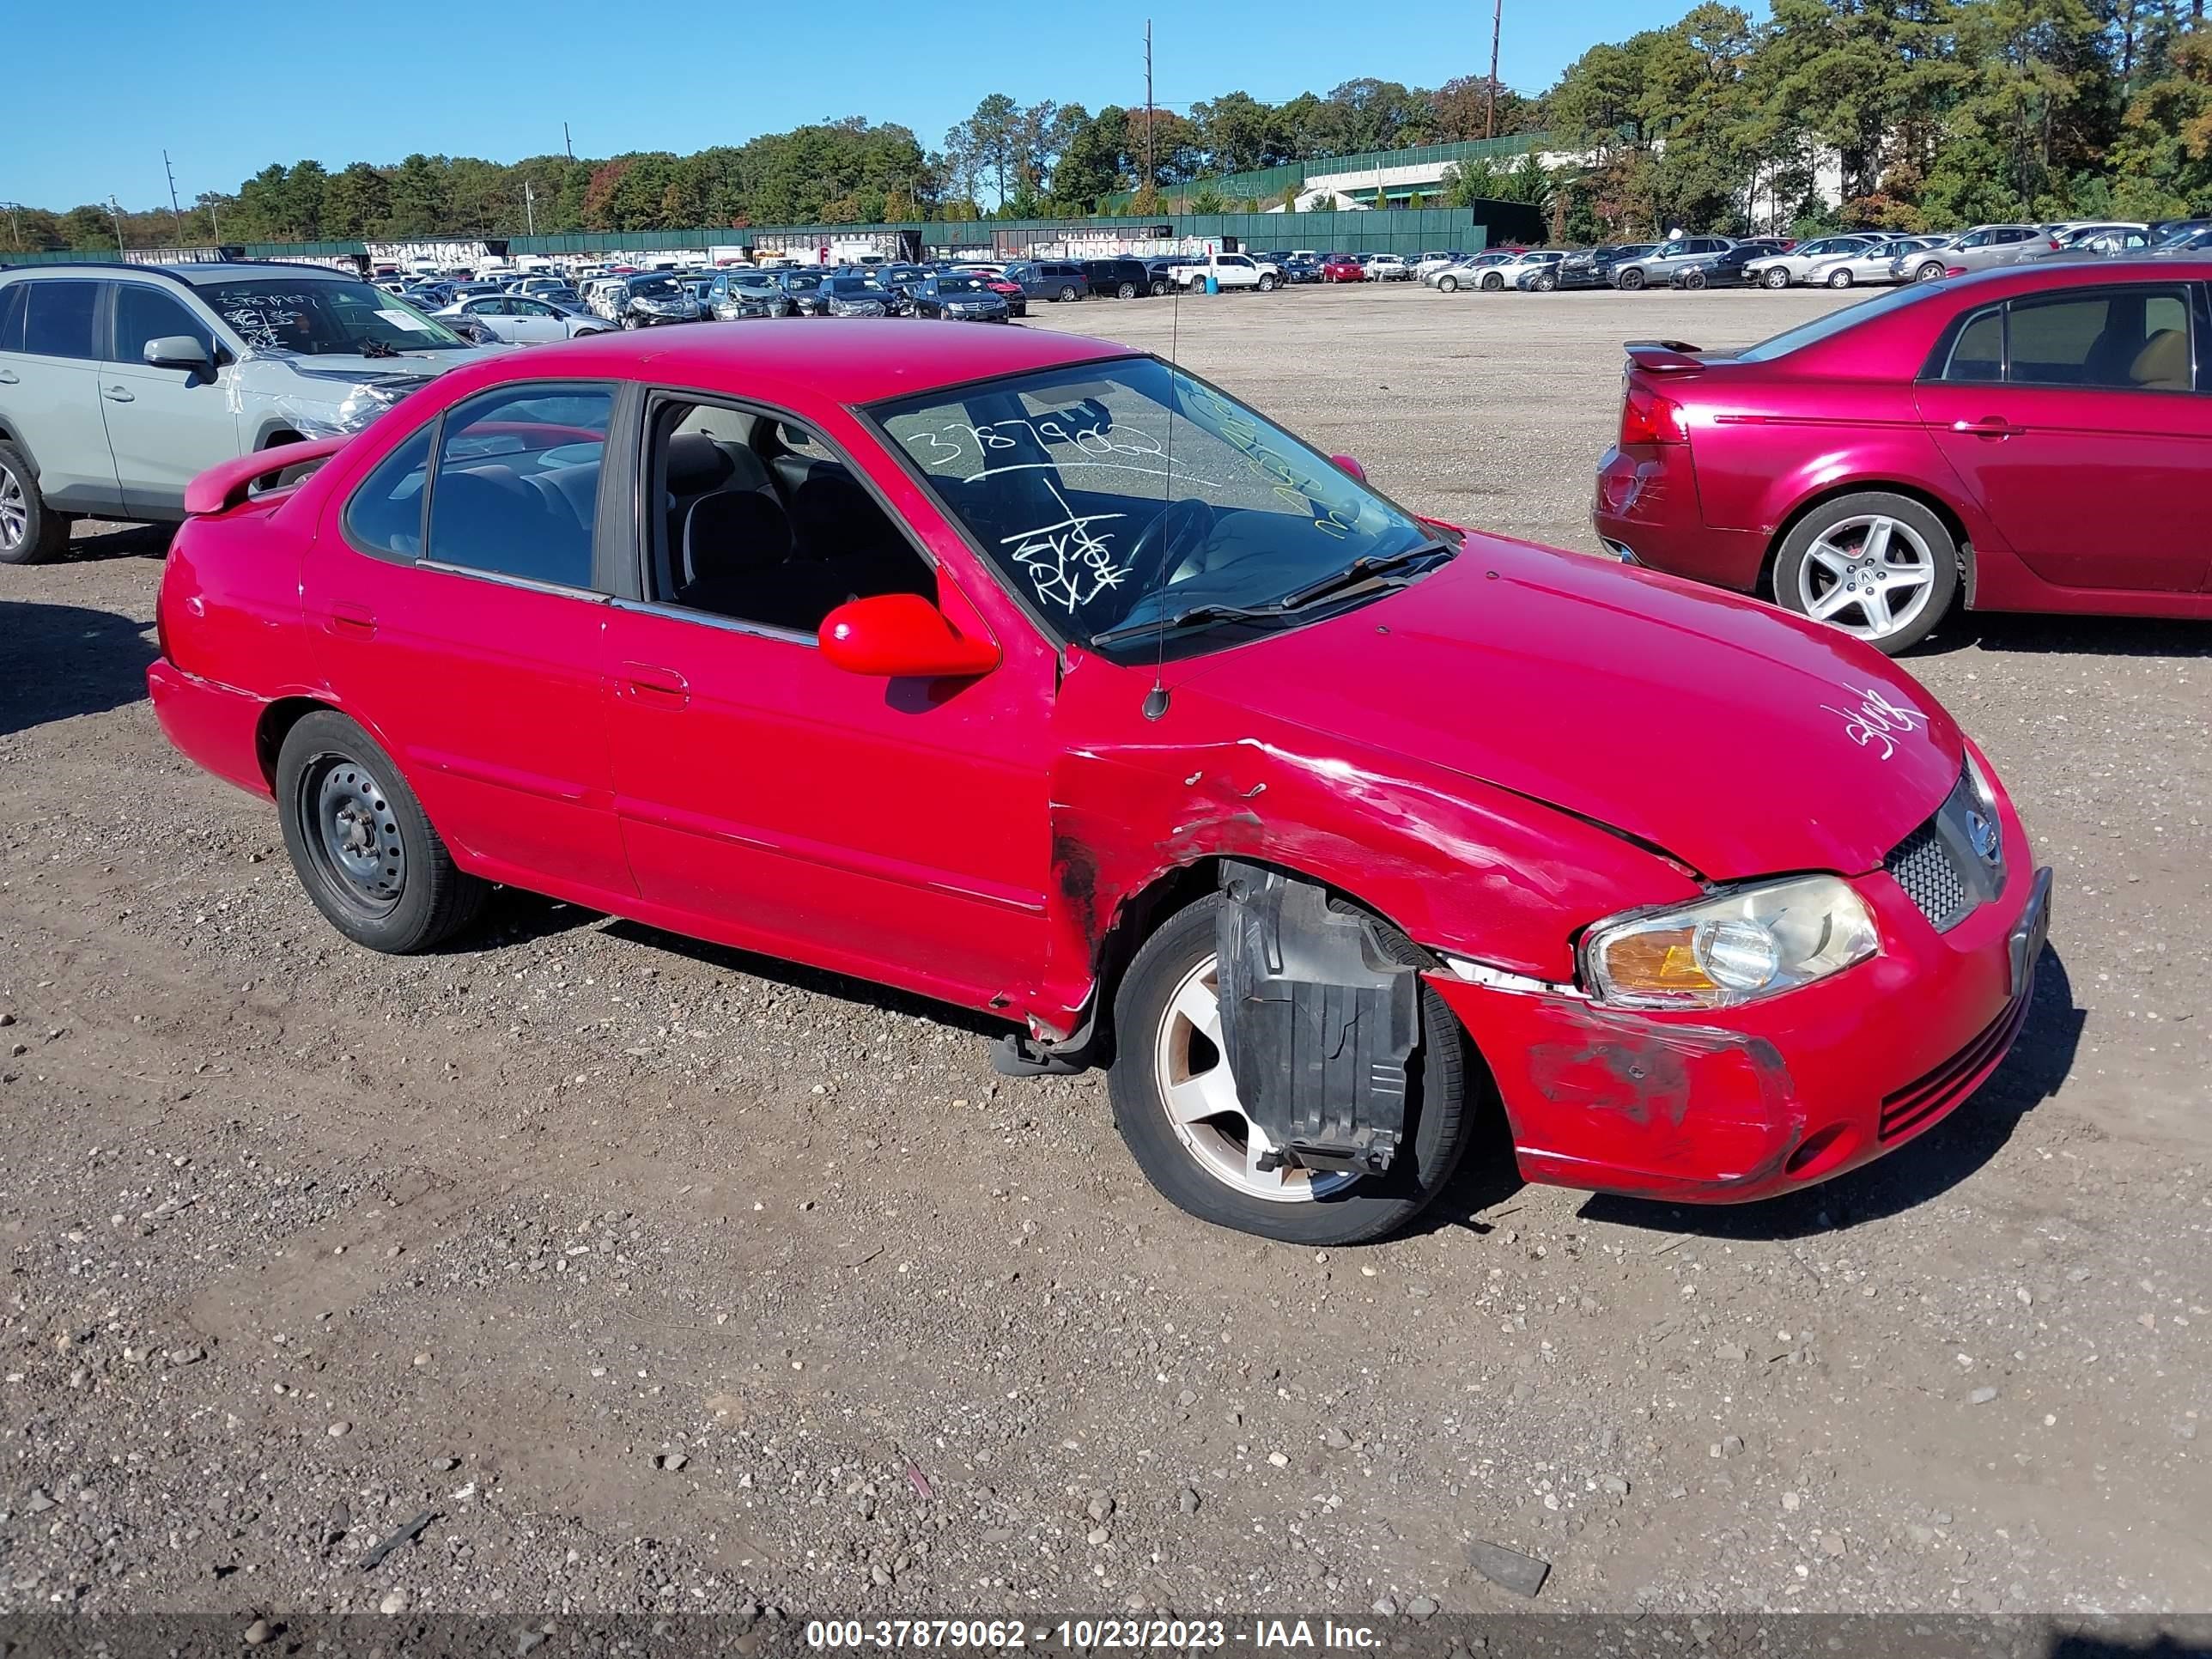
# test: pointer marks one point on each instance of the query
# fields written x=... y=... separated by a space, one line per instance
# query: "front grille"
x=1922 y=868
x=1937 y=865
x=1913 y=1105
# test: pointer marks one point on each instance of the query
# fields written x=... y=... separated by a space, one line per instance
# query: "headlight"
x=1732 y=948
x=363 y=404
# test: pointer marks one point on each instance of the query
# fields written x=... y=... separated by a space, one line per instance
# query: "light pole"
x=115 y=208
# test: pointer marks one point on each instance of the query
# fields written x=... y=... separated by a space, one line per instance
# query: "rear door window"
x=516 y=489
x=11 y=316
x=57 y=319
x=1978 y=355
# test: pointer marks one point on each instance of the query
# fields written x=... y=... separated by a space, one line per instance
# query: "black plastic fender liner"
x=1318 y=1021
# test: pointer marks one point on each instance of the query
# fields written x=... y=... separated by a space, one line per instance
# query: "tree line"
x=1938 y=112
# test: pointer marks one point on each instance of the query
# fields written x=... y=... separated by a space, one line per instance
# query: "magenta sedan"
x=2030 y=438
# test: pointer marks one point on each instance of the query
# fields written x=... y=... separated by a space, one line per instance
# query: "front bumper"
x=1737 y=1104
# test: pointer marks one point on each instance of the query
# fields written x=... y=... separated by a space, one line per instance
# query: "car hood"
x=1741 y=740
x=333 y=375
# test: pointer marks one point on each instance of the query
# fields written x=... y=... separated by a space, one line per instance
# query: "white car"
x=521 y=320
x=1389 y=267
x=1430 y=263
x=1875 y=263
x=1230 y=271
x=1780 y=270
x=1503 y=270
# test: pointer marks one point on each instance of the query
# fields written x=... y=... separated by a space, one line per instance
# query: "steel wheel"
x=14 y=513
x=1871 y=575
x=1199 y=1095
x=354 y=846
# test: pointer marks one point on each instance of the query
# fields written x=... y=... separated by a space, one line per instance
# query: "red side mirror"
x=1346 y=464
x=902 y=637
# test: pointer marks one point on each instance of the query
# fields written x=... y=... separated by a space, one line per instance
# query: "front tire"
x=1877 y=565
x=360 y=845
x=1447 y=284
x=1929 y=272
x=1546 y=283
x=1777 y=278
x=31 y=532
x=1266 y=283
x=1186 y=1133
x=1839 y=278
x=1693 y=279
x=1631 y=280
x=1492 y=282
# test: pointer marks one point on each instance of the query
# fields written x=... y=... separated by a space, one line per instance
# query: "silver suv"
x=120 y=383
x=1664 y=260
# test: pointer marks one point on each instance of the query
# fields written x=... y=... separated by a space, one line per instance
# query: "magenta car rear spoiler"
x=227 y=483
x=1665 y=356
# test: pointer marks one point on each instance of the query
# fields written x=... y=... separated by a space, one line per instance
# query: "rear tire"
x=1159 y=288
x=1351 y=1211
x=1067 y=293
x=31 y=532
x=1807 y=544
x=1125 y=291
x=361 y=844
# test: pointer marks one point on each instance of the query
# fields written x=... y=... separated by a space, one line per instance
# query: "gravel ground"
x=658 y=1277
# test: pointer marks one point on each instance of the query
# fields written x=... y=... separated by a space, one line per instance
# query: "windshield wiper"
x=376 y=349
x=1195 y=616
x=1360 y=569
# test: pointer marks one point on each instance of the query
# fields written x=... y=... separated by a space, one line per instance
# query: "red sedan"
x=1032 y=674
x=2032 y=438
x=1342 y=268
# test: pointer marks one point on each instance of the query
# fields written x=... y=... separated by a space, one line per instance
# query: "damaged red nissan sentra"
x=1038 y=677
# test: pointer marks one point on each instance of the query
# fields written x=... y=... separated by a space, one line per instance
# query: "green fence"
x=1397 y=230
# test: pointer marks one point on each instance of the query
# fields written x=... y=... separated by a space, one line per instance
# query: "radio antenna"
x=1156 y=699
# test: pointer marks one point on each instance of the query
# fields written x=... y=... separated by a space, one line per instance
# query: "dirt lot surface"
x=663 y=1278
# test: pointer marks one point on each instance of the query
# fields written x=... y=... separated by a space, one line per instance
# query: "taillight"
x=1647 y=418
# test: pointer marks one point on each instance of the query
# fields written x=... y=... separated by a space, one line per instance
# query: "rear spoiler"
x=1665 y=356
x=223 y=486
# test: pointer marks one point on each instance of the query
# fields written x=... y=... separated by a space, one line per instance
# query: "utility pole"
x=14 y=229
x=530 y=207
x=566 y=143
x=115 y=208
x=175 y=211
x=1148 y=109
x=1489 y=93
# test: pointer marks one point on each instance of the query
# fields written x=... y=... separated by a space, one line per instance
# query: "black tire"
x=416 y=896
x=1438 y=1101
x=629 y=321
x=1693 y=279
x=1447 y=284
x=1124 y=290
x=1776 y=276
x=1840 y=277
x=1789 y=562
x=1159 y=288
x=1928 y=271
x=1492 y=282
x=1632 y=279
x=1067 y=293
x=45 y=533
x=1546 y=283
x=1266 y=282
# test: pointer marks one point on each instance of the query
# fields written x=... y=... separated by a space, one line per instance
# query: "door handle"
x=8 y=377
x=118 y=394
x=355 y=619
x=648 y=682
x=1989 y=426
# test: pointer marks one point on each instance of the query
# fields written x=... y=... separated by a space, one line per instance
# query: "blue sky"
x=229 y=92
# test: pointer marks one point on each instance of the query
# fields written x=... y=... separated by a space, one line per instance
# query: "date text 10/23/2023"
x=1000 y=1635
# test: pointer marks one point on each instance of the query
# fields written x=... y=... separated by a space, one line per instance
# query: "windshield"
x=960 y=285
x=853 y=285
x=318 y=317
x=1065 y=477
x=1822 y=328
x=655 y=288
x=802 y=284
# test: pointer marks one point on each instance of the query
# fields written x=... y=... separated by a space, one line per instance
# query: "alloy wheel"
x=1870 y=575
x=1199 y=1094
x=15 y=511
x=1777 y=278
